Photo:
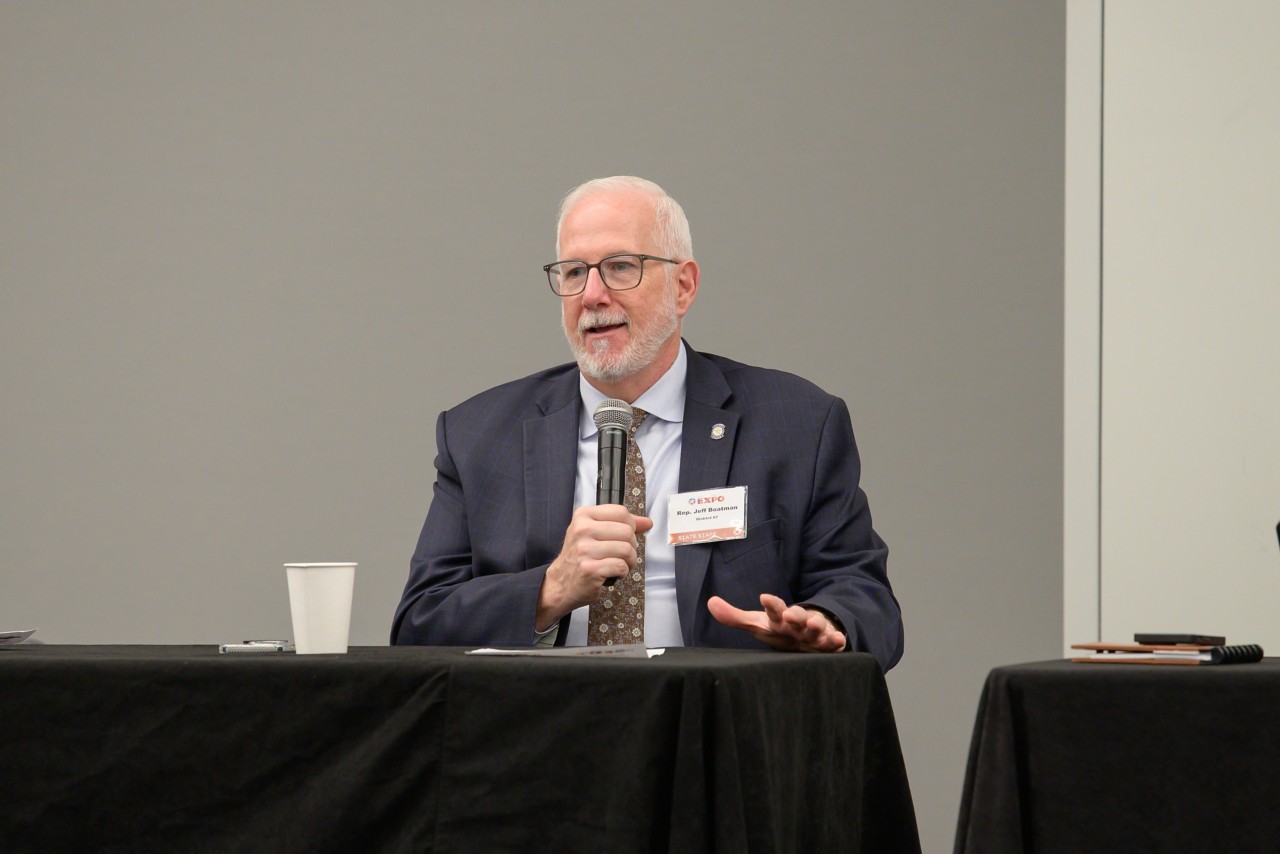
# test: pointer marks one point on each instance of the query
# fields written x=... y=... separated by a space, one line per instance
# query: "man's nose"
x=595 y=292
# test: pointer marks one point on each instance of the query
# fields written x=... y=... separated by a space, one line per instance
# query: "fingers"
x=795 y=621
x=599 y=544
x=781 y=626
x=616 y=513
x=812 y=629
x=604 y=553
x=821 y=634
x=736 y=618
x=773 y=606
x=608 y=521
x=807 y=625
x=723 y=611
x=605 y=540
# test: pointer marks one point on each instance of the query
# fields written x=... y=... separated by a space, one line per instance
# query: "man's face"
x=615 y=334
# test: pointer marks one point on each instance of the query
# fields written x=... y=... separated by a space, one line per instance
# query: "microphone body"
x=611 y=478
x=613 y=418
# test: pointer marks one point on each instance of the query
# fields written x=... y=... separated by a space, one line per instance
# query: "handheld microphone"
x=613 y=419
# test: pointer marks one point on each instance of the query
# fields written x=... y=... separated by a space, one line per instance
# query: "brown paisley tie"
x=618 y=615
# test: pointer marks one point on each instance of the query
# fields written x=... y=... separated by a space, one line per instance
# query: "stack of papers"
x=1142 y=653
x=627 y=650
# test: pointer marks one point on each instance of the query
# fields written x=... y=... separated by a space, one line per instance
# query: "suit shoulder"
x=769 y=385
x=517 y=397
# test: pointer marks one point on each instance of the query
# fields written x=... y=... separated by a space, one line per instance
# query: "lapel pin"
x=717 y=432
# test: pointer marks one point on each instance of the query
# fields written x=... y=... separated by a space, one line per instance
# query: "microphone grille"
x=613 y=413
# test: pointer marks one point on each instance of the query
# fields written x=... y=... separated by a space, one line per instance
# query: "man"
x=515 y=551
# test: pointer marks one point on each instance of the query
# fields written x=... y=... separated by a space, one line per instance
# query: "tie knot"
x=638 y=416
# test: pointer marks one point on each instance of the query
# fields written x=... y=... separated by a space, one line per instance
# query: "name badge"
x=709 y=516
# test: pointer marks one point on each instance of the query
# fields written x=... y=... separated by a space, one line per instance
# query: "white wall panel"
x=1190 y=432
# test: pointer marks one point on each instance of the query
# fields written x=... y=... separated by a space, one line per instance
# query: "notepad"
x=1143 y=653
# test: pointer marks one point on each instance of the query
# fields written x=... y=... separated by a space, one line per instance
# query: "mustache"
x=593 y=319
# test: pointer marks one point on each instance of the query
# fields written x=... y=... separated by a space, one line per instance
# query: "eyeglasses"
x=618 y=272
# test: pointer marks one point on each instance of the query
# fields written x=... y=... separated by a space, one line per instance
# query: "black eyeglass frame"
x=546 y=268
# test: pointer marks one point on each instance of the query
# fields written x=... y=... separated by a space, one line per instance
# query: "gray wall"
x=251 y=250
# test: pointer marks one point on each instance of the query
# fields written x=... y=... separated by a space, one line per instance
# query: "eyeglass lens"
x=619 y=272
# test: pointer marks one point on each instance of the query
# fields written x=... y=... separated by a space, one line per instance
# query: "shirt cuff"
x=548 y=638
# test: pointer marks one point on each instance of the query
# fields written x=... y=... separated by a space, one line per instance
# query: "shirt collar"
x=664 y=399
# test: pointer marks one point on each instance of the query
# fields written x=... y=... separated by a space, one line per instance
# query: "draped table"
x=1073 y=757
x=180 y=748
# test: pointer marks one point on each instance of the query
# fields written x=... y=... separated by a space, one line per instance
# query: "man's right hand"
x=599 y=544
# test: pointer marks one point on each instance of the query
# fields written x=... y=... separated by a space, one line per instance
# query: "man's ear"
x=686 y=285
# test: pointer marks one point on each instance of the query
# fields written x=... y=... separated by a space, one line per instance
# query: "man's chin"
x=610 y=370
x=598 y=360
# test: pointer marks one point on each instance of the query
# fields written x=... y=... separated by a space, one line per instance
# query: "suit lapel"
x=704 y=464
x=551 y=468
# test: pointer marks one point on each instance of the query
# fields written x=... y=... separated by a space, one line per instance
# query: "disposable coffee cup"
x=320 y=604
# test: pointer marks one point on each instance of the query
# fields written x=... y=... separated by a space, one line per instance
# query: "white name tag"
x=708 y=516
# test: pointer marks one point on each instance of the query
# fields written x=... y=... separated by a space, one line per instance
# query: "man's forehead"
x=612 y=203
x=607 y=215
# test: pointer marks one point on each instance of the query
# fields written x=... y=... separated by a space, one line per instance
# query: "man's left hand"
x=781 y=626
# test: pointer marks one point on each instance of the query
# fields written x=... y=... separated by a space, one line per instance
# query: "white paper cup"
x=320 y=604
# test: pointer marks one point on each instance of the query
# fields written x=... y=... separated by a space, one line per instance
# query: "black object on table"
x=1071 y=757
x=158 y=748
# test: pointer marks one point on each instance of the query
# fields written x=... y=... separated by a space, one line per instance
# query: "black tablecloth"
x=149 y=748
x=1121 y=757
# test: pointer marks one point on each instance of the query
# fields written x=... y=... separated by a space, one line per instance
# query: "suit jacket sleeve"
x=843 y=560
x=457 y=594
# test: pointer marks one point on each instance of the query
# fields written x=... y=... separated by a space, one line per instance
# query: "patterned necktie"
x=618 y=615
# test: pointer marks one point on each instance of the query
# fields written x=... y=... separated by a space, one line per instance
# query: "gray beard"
x=597 y=362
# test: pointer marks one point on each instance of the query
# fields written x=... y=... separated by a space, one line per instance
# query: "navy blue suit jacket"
x=506 y=467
